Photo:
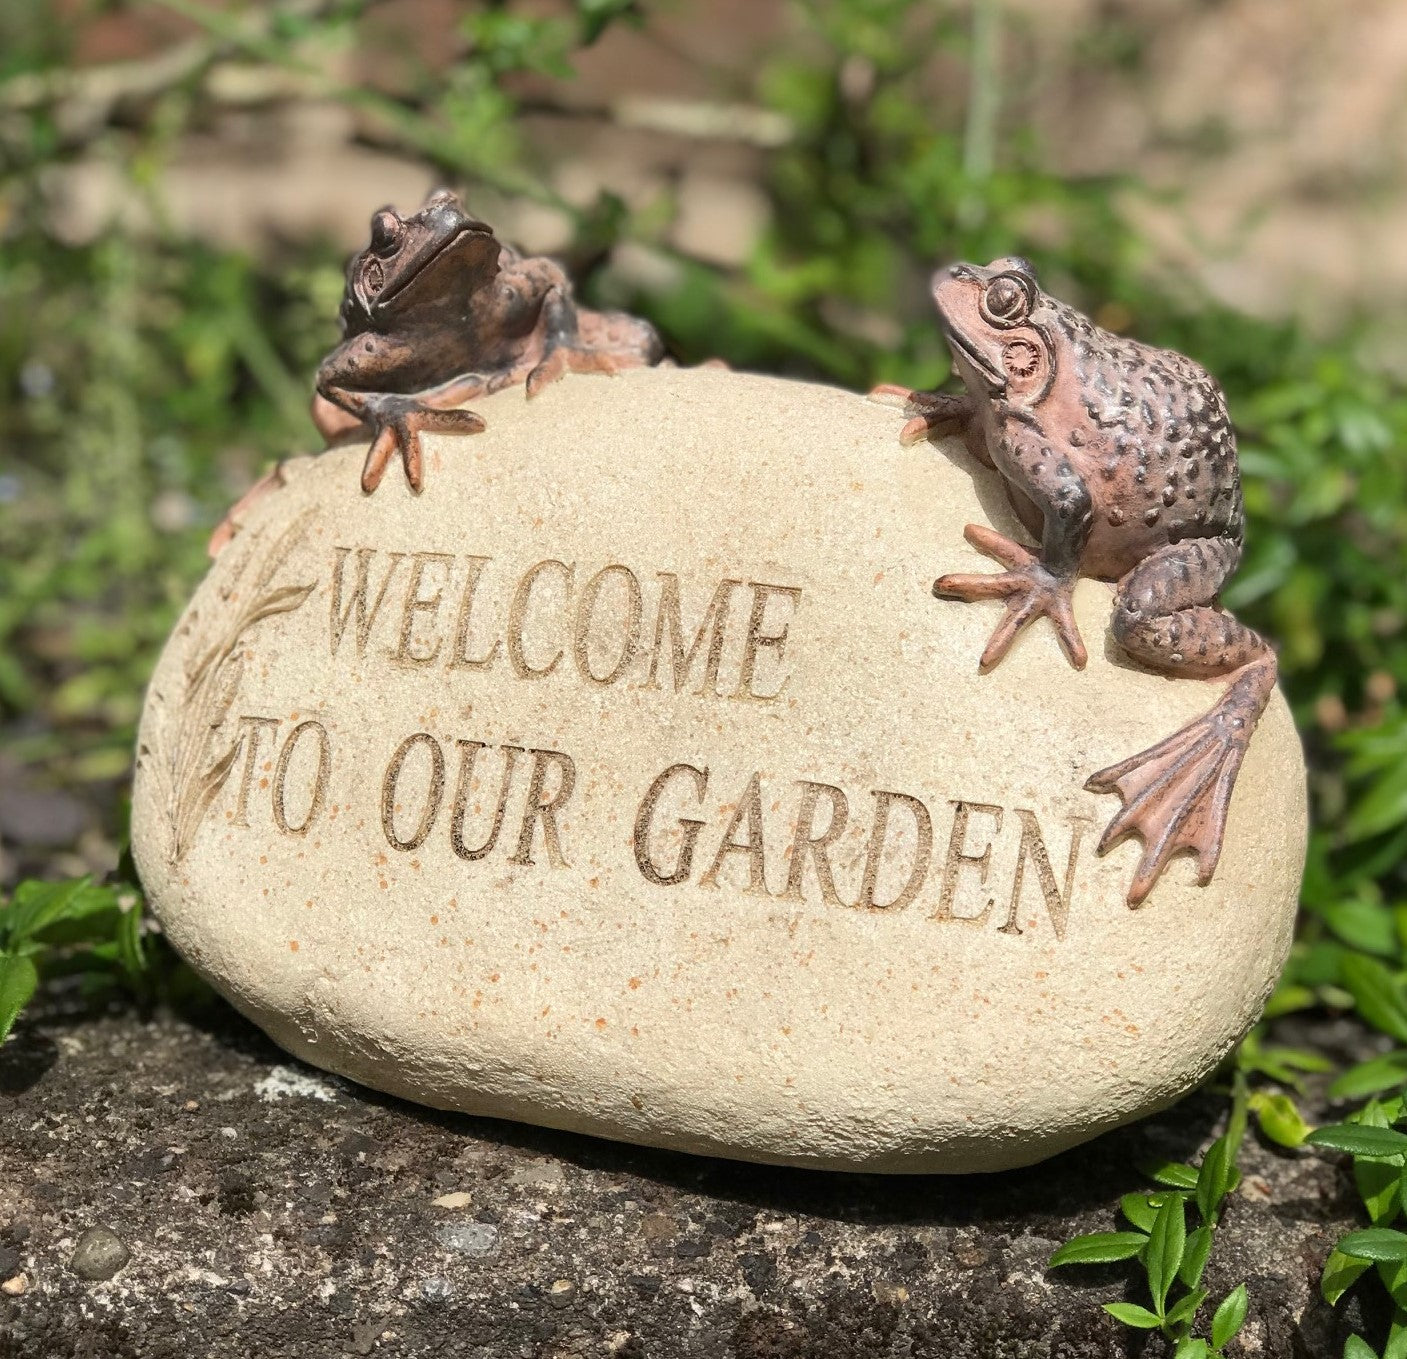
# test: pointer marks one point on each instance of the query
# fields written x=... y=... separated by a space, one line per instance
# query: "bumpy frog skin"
x=437 y=312
x=1121 y=460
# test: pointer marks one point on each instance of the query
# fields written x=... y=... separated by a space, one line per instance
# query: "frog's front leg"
x=1033 y=584
x=397 y=421
x=933 y=415
x=1177 y=793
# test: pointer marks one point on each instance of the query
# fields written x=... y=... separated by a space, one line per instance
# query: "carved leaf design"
x=199 y=798
x=213 y=683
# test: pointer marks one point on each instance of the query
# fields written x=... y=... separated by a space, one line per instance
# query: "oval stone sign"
x=630 y=779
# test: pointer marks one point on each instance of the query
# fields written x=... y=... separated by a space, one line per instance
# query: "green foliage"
x=50 y=929
x=1171 y=1258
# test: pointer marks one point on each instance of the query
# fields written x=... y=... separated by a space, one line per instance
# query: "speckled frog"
x=1120 y=458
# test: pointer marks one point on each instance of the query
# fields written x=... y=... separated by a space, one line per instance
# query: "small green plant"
x=52 y=929
x=1172 y=1258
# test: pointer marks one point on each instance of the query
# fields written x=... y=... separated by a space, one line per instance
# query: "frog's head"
x=433 y=260
x=992 y=319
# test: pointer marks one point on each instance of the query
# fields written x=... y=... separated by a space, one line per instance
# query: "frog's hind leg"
x=576 y=340
x=1177 y=793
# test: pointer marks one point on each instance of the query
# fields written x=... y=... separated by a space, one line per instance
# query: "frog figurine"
x=436 y=312
x=1120 y=459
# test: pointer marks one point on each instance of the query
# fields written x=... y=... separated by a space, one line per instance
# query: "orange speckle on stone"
x=263 y=783
x=434 y=920
x=878 y=576
x=635 y=983
x=600 y=1023
x=292 y=717
x=493 y=976
x=293 y=946
x=1130 y=1028
x=634 y=1032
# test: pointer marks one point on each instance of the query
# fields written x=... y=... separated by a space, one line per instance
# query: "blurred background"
x=770 y=181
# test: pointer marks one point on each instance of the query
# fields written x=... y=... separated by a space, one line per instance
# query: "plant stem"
x=983 y=92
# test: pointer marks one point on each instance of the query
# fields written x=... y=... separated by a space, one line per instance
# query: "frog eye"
x=385 y=231
x=1007 y=299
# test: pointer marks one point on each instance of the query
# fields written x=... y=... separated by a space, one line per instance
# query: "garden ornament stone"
x=1120 y=458
x=626 y=779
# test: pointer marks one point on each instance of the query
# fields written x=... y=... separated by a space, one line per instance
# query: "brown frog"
x=437 y=312
x=1120 y=458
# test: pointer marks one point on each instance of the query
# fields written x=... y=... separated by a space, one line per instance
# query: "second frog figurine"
x=1120 y=459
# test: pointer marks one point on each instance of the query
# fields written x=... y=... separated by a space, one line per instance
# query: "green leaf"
x=1288 y=998
x=1377 y=994
x=1194 y=1257
x=1374 y=1243
x=1228 y=1319
x=1166 y=1243
x=1380 y=1187
x=1393 y=1276
x=1139 y=1210
x=1363 y=925
x=1099 y=1248
x=131 y=950
x=1131 y=1314
x=35 y=905
x=1355 y=1347
x=18 y=980
x=1396 y=1347
x=1214 y=1178
x=1174 y=1174
x=1191 y=1347
x=1341 y=1272
x=1279 y=1120
x=1357 y=1140
x=1185 y=1308
x=1372 y=1077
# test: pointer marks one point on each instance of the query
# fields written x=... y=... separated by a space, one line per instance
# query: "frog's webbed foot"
x=590 y=342
x=1029 y=588
x=1176 y=793
x=230 y=525
x=931 y=414
x=399 y=424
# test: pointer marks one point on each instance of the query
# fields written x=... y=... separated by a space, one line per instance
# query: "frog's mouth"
x=985 y=368
x=471 y=239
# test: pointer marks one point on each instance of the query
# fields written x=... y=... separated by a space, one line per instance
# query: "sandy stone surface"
x=629 y=780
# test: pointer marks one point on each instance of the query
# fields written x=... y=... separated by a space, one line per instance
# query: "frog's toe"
x=384 y=447
x=892 y=394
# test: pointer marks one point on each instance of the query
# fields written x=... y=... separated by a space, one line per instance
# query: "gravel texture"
x=267 y=1209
